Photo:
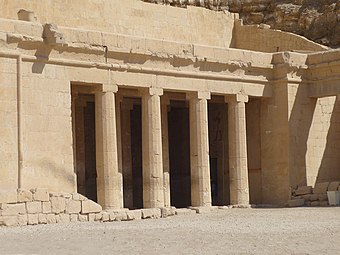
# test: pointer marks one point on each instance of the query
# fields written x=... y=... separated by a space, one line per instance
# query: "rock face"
x=316 y=20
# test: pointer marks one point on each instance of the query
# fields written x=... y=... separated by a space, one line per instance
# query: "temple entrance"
x=83 y=120
x=218 y=151
x=131 y=132
x=179 y=154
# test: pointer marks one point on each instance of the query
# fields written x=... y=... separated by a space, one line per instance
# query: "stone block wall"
x=38 y=206
x=309 y=196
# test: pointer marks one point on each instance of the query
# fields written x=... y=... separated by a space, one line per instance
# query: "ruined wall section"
x=131 y=17
x=317 y=20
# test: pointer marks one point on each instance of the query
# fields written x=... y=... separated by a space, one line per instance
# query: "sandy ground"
x=247 y=231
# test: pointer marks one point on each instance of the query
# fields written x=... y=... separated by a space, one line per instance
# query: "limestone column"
x=165 y=143
x=153 y=193
x=238 y=166
x=118 y=102
x=126 y=108
x=199 y=150
x=108 y=181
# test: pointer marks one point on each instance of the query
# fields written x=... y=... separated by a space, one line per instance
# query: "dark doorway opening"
x=179 y=154
x=83 y=117
x=218 y=151
x=136 y=155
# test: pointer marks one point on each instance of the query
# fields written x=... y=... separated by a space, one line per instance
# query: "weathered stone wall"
x=316 y=20
x=309 y=196
x=38 y=206
x=131 y=17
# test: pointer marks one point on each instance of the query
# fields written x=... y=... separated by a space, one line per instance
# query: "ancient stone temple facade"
x=134 y=105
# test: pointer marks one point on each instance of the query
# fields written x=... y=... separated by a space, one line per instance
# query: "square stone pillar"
x=118 y=102
x=199 y=149
x=108 y=180
x=238 y=165
x=153 y=192
x=165 y=143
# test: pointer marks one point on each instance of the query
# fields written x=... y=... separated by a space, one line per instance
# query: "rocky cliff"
x=318 y=20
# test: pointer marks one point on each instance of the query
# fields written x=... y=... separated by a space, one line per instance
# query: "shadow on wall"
x=60 y=177
x=300 y=122
x=330 y=164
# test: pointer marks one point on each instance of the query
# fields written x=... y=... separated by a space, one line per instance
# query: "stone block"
x=185 y=211
x=296 y=202
x=73 y=206
x=92 y=217
x=40 y=194
x=324 y=203
x=315 y=203
x=22 y=220
x=314 y=197
x=24 y=195
x=112 y=216
x=32 y=219
x=333 y=186
x=9 y=221
x=33 y=207
x=46 y=207
x=307 y=197
x=73 y=217
x=13 y=209
x=323 y=197
x=83 y=217
x=120 y=215
x=168 y=211
x=8 y=196
x=321 y=188
x=99 y=216
x=303 y=190
x=63 y=218
x=42 y=218
x=105 y=217
x=134 y=215
x=88 y=206
x=58 y=204
x=151 y=213
x=51 y=218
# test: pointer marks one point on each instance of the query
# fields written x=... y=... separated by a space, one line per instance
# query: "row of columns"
x=155 y=153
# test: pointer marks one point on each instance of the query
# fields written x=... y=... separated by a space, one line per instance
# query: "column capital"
x=199 y=95
x=109 y=88
x=236 y=98
x=152 y=91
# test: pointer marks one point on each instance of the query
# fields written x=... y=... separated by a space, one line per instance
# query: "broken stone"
x=24 y=195
x=185 y=211
x=151 y=213
x=323 y=197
